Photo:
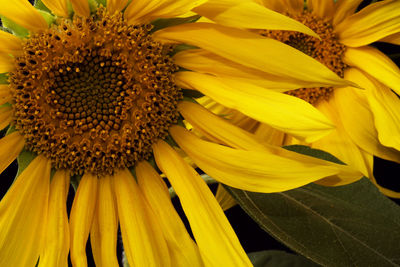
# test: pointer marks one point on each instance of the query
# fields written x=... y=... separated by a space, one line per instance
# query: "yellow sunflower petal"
x=376 y=64
x=393 y=39
x=216 y=239
x=6 y=63
x=10 y=147
x=321 y=8
x=81 y=7
x=217 y=129
x=81 y=217
x=57 y=7
x=250 y=15
x=276 y=5
x=281 y=111
x=266 y=54
x=56 y=247
x=5 y=117
x=247 y=169
x=95 y=238
x=372 y=23
x=106 y=220
x=141 y=233
x=116 y=5
x=24 y=14
x=224 y=199
x=340 y=144
x=22 y=212
x=200 y=60
x=9 y=43
x=359 y=122
x=343 y=9
x=269 y=135
x=143 y=11
x=183 y=250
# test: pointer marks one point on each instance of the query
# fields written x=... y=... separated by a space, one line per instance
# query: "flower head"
x=93 y=94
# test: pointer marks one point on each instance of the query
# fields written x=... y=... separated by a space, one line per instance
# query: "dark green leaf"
x=164 y=23
x=276 y=258
x=353 y=225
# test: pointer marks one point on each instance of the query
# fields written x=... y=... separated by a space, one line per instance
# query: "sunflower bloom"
x=366 y=119
x=93 y=95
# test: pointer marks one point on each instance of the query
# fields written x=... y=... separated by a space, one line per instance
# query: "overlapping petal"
x=217 y=241
x=5 y=117
x=9 y=43
x=321 y=8
x=281 y=111
x=371 y=24
x=10 y=147
x=57 y=7
x=81 y=7
x=343 y=9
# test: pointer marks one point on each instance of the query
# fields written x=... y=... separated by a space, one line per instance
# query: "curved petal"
x=143 y=11
x=339 y=144
x=5 y=117
x=56 y=247
x=22 y=212
x=57 y=7
x=376 y=64
x=247 y=169
x=182 y=248
x=249 y=15
x=141 y=234
x=224 y=199
x=392 y=39
x=200 y=60
x=372 y=23
x=6 y=63
x=81 y=7
x=283 y=112
x=252 y=50
x=114 y=6
x=10 y=146
x=322 y=8
x=376 y=106
x=216 y=239
x=106 y=224
x=269 y=135
x=343 y=9
x=9 y=43
x=24 y=14
x=81 y=217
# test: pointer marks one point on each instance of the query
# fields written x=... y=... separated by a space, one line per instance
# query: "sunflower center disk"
x=328 y=51
x=94 y=94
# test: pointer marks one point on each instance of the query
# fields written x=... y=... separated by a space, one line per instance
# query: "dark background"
x=252 y=237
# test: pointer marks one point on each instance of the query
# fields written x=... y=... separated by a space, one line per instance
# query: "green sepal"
x=102 y=2
x=164 y=23
x=190 y=94
x=277 y=258
x=3 y=78
x=40 y=6
x=75 y=179
x=11 y=129
x=24 y=158
x=49 y=18
x=182 y=47
x=93 y=5
x=14 y=27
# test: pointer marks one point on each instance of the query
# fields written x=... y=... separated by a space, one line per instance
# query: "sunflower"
x=92 y=97
x=366 y=118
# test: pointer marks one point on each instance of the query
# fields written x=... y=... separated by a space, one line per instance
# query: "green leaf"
x=39 y=5
x=276 y=258
x=14 y=27
x=164 y=23
x=353 y=225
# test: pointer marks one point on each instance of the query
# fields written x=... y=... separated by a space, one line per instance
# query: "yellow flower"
x=95 y=95
x=366 y=118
